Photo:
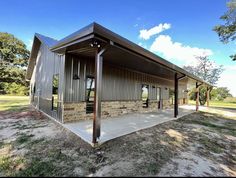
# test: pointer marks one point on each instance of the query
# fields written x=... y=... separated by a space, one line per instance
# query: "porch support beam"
x=98 y=95
x=180 y=78
x=176 y=95
x=176 y=102
x=197 y=95
x=208 y=96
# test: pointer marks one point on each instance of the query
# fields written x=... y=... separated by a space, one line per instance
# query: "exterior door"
x=56 y=103
x=90 y=89
x=159 y=97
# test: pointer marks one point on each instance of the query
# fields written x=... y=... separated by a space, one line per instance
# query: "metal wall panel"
x=118 y=83
x=75 y=89
x=47 y=64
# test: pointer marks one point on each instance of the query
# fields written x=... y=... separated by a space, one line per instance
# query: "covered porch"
x=134 y=67
x=122 y=125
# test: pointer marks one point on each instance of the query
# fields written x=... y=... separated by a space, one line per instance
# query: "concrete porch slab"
x=122 y=125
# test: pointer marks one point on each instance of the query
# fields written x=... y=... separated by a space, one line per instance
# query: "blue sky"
x=190 y=29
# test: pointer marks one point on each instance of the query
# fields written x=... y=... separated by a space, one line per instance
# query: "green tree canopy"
x=220 y=93
x=14 y=58
x=13 y=51
x=227 y=32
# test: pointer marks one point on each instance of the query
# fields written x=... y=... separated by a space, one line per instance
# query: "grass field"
x=220 y=104
x=197 y=145
x=13 y=103
x=201 y=144
x=18 y=103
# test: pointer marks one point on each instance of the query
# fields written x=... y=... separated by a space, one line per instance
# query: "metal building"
x=95 y=73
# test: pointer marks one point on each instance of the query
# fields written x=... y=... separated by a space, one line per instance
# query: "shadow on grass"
x=14 y=108
x=225 y=108
x=212 y=122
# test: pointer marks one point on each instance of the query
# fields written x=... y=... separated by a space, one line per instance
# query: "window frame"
x=148 y=92
x=87 y=98
x=55 y=102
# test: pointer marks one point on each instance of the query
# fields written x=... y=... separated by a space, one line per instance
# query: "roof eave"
x=105 y=33
x=74 y=37
x=95 y=30
x=32 y=58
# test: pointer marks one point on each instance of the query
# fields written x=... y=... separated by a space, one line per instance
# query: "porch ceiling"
x=94 y=31
x=123 y=58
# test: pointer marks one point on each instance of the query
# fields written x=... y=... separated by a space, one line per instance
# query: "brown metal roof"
x=38 y=39
x=119 y=41
x=95 y=30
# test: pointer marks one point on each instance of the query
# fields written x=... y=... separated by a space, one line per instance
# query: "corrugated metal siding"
x=118 y=83
x=182 y=94
x=47 y=64
x=75 y=89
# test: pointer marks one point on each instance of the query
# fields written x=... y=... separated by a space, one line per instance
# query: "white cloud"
x=227 y=79
x=174 y=50
x=185 y=55
x=142 y=45
x=230 y=68
x=146 y=34
x=29 y=44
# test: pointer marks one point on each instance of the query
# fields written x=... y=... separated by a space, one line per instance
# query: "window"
x=159 y=97
x=55 y=84
x=171 y=96
x=33 y=91
x=145 y=91
x=90 y=87
x=158 y=94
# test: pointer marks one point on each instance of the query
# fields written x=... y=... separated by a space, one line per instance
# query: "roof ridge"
x=45 y=39
x=46 y=36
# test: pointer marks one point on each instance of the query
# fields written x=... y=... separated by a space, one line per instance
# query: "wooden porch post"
x=176 y=96
x=208 y=96
x=197 y=96
x=98 y=95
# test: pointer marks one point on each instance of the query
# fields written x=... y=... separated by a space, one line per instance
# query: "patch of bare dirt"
x=200 y=144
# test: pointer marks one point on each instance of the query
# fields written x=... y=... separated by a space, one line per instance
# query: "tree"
x=202 y=95
x=13 y=51
x=227 y=32
x=13 y=61
x=220 y=93
x=206 y=70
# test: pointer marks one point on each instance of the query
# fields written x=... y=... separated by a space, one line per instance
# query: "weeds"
x=10 y=165
x=23 y=138
x=38 y=167
x=211 y=145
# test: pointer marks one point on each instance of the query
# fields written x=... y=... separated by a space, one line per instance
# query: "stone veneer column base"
x=77 y=111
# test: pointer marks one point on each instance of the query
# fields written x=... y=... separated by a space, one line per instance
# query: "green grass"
x=211 y=145
x=23 y=138
x=13 y=103
x=229 y=128
x=45 y=166
x=39 y=168
x=220 y=104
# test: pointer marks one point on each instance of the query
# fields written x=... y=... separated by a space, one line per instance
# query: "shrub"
x=14 y=89
x=230 y=100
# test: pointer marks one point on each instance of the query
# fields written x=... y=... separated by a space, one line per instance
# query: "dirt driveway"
x=200 y=144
